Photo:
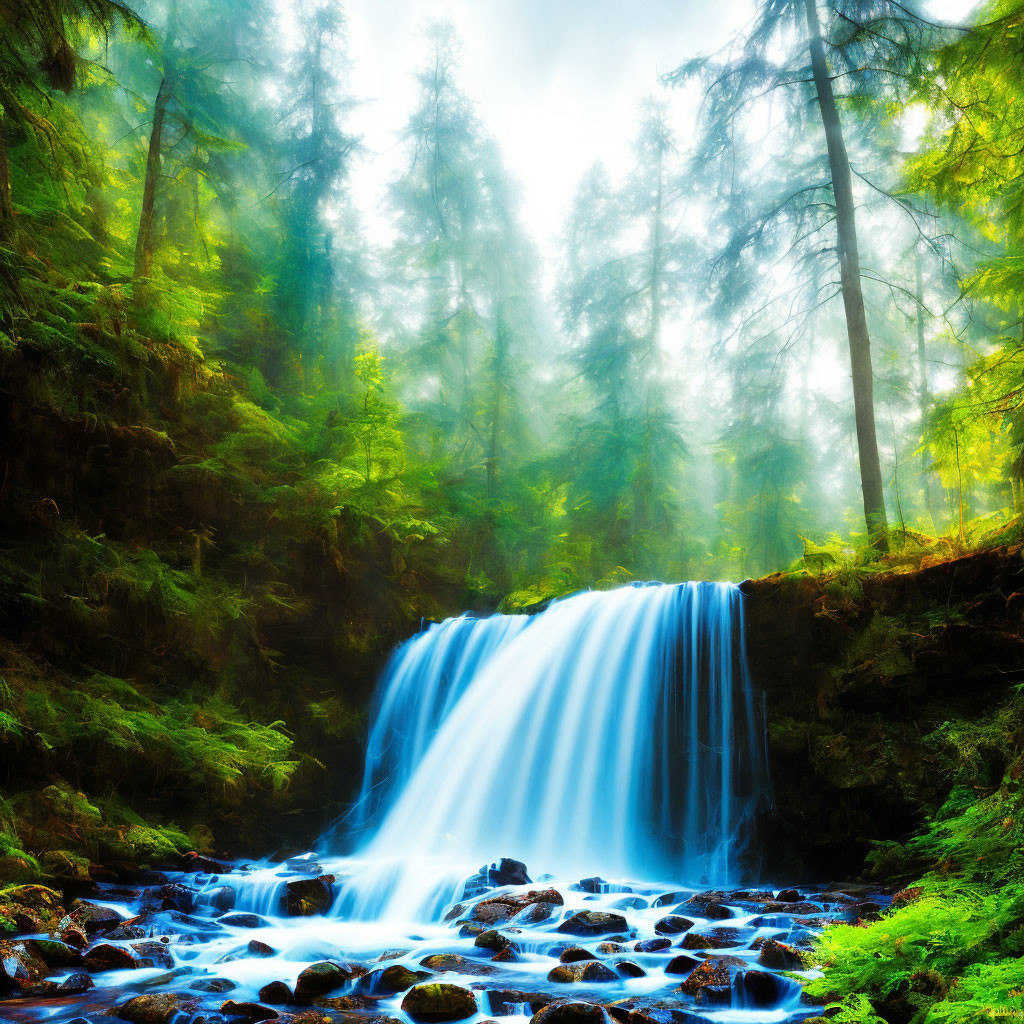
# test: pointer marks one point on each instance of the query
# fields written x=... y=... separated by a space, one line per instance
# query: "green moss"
x=950 y=949
x=883 y=649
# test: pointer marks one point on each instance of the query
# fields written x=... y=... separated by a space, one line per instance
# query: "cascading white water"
x=422 y=682
x=614 y=733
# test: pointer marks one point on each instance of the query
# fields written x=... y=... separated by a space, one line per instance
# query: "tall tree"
x=623 y=267
x=863 y=49
x=318 y=150
x=849 y=272
x=464 y=261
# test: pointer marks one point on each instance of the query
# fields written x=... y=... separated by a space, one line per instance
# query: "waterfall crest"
x=616 y=732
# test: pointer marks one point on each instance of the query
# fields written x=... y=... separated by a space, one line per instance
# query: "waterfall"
x=615 y=733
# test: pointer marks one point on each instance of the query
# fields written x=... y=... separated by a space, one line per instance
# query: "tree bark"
x=144 y=239
x=853 y=296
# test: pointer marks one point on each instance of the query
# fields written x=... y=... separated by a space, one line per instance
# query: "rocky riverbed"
x=234 y=943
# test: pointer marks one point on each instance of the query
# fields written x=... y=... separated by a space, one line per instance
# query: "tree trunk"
x=853 y=296
x=144 y=240
x=6 y=202
x=923 y=396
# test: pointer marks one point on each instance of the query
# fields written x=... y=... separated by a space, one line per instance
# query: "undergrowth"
x=951 y=950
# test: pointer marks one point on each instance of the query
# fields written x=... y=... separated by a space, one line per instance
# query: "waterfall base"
x=241 y=945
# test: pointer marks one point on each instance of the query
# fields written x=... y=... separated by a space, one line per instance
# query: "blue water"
x=616 y=733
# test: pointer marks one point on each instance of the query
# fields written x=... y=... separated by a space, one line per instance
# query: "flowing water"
x=614 y=743
x=615 y=732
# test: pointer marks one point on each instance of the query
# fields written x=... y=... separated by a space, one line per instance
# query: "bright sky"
x=557 y=82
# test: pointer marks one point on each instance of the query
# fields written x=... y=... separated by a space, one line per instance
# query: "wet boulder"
x=592 y=885
x=215 y=985
x=454 y=963
x=715 y=972
x=666 y=899
x=714 y=997
x=629 y=969
x=305 y=897
x=508 y=1002
x=155 y=981
x=569 y=1013
x=393 y=979
x=573 y=954
x=805 y=907
x=717 y=912
x=437 y=1002
x=322 y=977
x=153 y=954
x=652 y=945
x=74 y=937
x=752 y=896
x=92 y=919
x=780 y=956
x=501 y=908
x=508 y=872
x=23 y=958
x=106 y=957
x=788 y=896
x=171 y=897
x=75 y=985
x=133 y=928
x=492 y=939
x=681 y=964
x=304 y=863
x=674 y=924
x=248 y=1011
x=537 y=913
x=592 y=971
x=762 y=989
x=151 y=1009
x=496 y=911
x=54 y=953
x=709 y=904
x=593 y=922
x=508 y=955
x=722 y=939
x=276 y=993
x=259 y=949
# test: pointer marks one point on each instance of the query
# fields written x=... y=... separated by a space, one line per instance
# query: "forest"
x=249 y=442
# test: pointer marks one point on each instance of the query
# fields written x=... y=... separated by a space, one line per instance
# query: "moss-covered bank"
x=881 y=690
x=195 y=596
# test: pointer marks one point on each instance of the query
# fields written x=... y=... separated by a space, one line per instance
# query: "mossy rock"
x=436 y=1002
x=152 y=1009
x=65 y=867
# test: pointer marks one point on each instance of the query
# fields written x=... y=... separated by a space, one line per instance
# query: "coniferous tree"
x=864 y=48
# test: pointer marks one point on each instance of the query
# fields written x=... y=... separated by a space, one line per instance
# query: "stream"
x=614 y=742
